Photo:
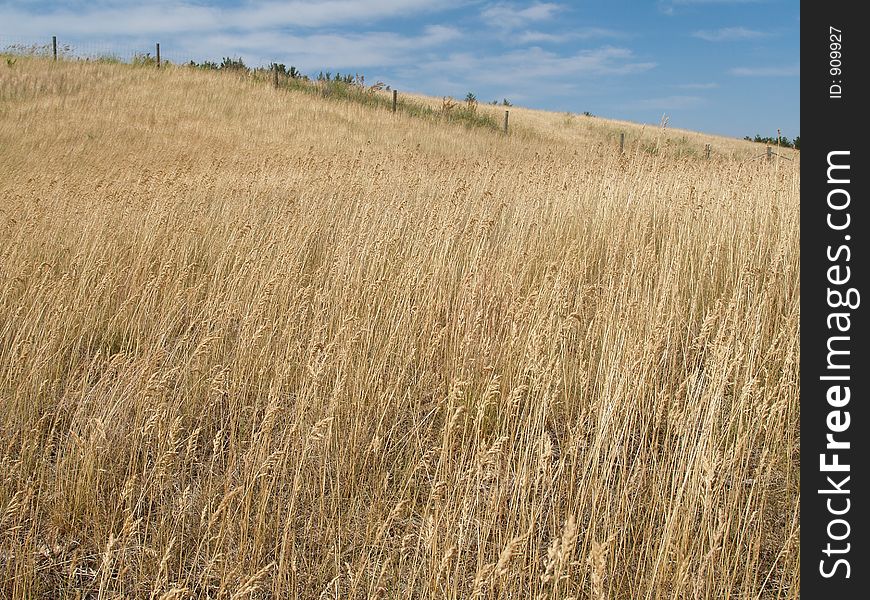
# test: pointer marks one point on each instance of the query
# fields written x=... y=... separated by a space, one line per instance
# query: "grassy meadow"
x=255 y=343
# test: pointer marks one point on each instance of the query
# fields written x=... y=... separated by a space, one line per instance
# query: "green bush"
x=283 y=71
x=111 y=59
x=233 y=64
x=144 y=60
x=207 y=65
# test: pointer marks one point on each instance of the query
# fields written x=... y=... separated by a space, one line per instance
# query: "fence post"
x=506 y=121
x=275 y=73
x=54 y=46
x=769 y=153
x=707 y=151
x=395 y=99
x=621 y=143
x=158 y=55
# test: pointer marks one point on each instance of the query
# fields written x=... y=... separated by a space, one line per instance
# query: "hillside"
x=260 y=344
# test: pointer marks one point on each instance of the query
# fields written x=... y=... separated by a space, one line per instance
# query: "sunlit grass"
x=258 y=343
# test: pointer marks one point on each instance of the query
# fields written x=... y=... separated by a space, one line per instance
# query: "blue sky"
x=721 y=66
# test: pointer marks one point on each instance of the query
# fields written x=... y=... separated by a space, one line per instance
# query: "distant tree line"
x=227 y=64
x=237 y=64
x=772 y=141
x=353 y=88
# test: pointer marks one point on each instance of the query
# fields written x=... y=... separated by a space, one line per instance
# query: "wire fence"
x=92 y=50
x=142 y=51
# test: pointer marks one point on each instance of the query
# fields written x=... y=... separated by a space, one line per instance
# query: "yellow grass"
x=576 y=129
x=258 y=344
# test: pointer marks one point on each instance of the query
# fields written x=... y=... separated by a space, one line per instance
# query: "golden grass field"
x=259 y=344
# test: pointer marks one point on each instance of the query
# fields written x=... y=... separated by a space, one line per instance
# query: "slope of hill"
x=255 y=343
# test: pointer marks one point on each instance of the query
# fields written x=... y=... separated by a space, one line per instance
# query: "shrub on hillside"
x=144 y=60
x=233 y=64
x=772 y=141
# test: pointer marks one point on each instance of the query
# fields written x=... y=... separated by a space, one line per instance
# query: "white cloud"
x=536 y=63
x=586 y=33
x=702 y=2
x=668 y=6
x=666 y=103
x=539 y=72
x=321 y=50
x=729 y=34
x=509 y=16
x=711 y=85
x=778 y=71
x=126 y=18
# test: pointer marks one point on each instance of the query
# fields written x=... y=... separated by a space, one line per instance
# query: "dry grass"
x=255 y=344
x=579 y=130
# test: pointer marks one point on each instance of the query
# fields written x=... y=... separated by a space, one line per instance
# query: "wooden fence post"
x=275 y=73
x=506 y=121
x=707 y=151
x=158 y=55
x=395 y=99
x=621 y=143
x=54 y=46
x=769 y=153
